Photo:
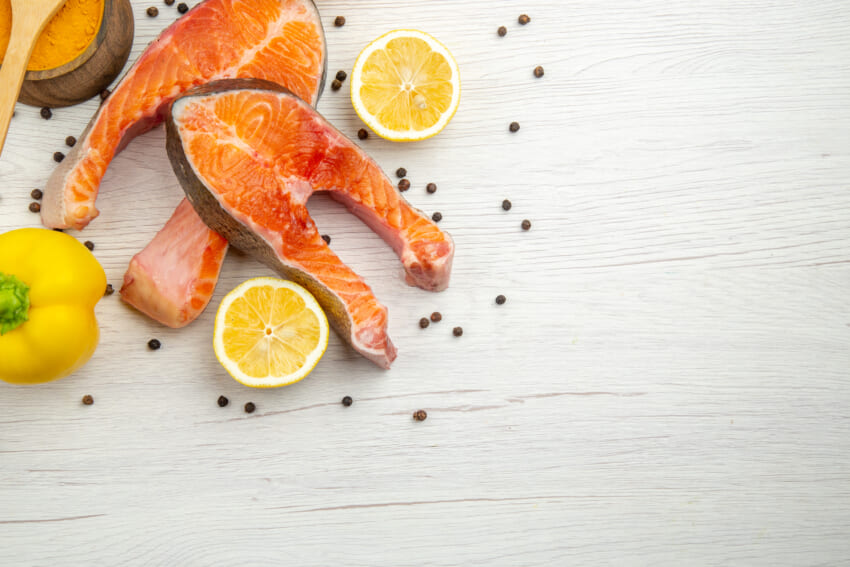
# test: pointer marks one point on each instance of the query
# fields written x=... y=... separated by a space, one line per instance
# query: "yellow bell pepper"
x=49 y=285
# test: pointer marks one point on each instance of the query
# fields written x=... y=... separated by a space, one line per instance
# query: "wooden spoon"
x=28 y=20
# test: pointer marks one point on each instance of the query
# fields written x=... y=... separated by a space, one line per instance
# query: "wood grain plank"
x=667 y=382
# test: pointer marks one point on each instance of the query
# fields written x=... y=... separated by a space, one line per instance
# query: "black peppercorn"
x=500 y=299
x=362 y=134
x=424 y=322
x=339 y=21
x=169 y=2
x=420 y=415
x=222 y=401
x=341 y=75
x=506 y=205
x=154 y=344
x=403 y=185
x=109 y=289
x=153 y=11
x=326 y=238
x=347 y=401
x=46 y=113
x=431 y=187
x=336 y=84
x=401 y=172
x=523 y=19
x=437 y=217
x=457 y=331
x=503 y=31
x=70 y=141
x=182 y=8
x=89 y=244
x=526 y=224
x=58 y=156
x=88 y=400
x=250 y=407
x=36 y=194
x=538 y=71
x=436 y=317
x=35 y=208
x=514 y=127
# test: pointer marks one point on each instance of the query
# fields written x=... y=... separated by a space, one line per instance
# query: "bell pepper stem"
x=14 y=303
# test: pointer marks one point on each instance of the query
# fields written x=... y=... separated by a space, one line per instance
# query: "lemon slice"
x=269 y=333
x=405 y=86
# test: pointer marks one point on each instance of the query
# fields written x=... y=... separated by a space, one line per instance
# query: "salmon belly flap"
x=249 y=154
x=173 y=279
x=279 y=40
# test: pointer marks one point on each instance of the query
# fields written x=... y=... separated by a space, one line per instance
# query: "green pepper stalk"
x=14 y=303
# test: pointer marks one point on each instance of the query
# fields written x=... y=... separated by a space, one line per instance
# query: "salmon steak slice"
x=249 y=154
x=278 y=40
x=170 y=281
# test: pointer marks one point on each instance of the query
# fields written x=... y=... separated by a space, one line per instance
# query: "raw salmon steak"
x=173 y=278
x=278 y=40
x=250 y=153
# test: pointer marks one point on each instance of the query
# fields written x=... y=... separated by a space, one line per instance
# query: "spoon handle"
x=27 y=24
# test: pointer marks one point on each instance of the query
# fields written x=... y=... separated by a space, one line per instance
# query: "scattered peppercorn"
x=341 y=75
x=339 y=21
x=250 y=407
x=424 y=322
x=401 y=172
x=222 y=401
x=169 y=2
x=153 y=11
x=457 y=331
x=403 y=185
x=70 y=141
x=336 y=84
x=526 y=224
x=182 y=7
x=538 y=71
x=362 y=134
x=347 y=401
x=436 y=317
x=88 y=400
x=437 y=217
x=326 y=238
x=431 y=187
x=514 y=127
x=524 y=19
x=506 y=205
x=109 y=289
x=46 y=113
x=35 y=208
x=89 y=244
x=154 y=344
x=420 y=415
x=36 y=194
x=104 y=94
x=501 y=299
x=58 y=156
x=503 y=31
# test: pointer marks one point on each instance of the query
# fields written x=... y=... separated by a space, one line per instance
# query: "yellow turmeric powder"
x=66 y=36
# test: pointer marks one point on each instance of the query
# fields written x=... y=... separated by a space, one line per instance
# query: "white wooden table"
x=667 y=384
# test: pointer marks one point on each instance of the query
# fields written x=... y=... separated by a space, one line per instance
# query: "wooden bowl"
x=93 y=70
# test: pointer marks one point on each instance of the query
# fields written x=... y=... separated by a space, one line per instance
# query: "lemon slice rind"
x=409 y=135
x=271 y=381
